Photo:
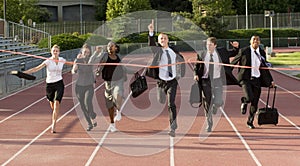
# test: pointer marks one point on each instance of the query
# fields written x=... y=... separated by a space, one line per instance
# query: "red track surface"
x=25 y=138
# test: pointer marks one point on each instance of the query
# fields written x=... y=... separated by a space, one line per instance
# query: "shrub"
x=65 y=41
x=94 y=40
x=72 y=41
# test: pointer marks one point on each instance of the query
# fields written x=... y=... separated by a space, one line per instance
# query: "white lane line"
x=97 y=148
x=37 y=137
x=162 y=138
x=43 y=132
x=281 y=115
x=12 y=94
x=289 y=121
x=24 y=109
x=93 y=155
x=242 y=139
x=292 y=93
x=172 y=156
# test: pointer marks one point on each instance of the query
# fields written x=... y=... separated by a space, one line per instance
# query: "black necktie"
x=262 y=60
x=211 y=67
x=258 y=56
x=169 y=64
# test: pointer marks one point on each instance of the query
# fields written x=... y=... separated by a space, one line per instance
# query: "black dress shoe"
x=89 y=128
x=95 y=124
x=208 y=129
x=200 y=104
x=172 y=133
x=251 y=126
x=214 y=110
x=243 y=108
x=93 y=115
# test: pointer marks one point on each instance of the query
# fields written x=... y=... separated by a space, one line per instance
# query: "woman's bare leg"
x=55 y=114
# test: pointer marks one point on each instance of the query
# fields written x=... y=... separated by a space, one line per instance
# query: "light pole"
x=270 y=13
x=80 y=11
x=4 y=18
x=246 y=14
x=271 y=32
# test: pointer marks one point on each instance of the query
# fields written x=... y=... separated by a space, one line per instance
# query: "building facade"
x=70 y=10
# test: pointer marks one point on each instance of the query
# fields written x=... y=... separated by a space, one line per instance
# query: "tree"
x=101 y=9
x=17 y=10
x=172 y=5
x=259 y=6
x=207 y=12
x=117 y=8
x=294 y=6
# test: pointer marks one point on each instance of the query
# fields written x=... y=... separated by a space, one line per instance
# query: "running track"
x=25 y=137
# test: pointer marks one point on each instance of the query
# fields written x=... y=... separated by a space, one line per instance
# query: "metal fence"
x=70 y=27
x=104 y=28
x=10 y=83
x=280 y=20
x=26 y=34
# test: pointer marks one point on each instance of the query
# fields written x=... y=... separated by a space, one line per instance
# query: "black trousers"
x=212 y=95
x=169 y=88
x=252 y=91
x=85 y=97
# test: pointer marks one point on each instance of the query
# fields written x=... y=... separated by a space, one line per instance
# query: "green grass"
x=286 y=59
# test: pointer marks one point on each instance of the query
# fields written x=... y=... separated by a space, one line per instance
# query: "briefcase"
x=268 y=115
x=22 y=75
x=139 y=85
x=195 y=96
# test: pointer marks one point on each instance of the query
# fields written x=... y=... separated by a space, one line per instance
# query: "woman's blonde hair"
x=55 y=46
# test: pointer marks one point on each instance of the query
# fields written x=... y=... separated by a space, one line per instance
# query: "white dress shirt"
x=163 y=70
x=217 y=67
x=255 y=63
x=54 y=71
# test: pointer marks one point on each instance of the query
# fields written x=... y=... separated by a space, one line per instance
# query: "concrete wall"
x=66 y=10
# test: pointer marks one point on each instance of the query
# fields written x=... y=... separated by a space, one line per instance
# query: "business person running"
x=166 y=75
x=250 y=78
x=54 y=80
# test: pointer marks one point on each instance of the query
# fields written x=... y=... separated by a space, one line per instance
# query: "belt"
x=253 y=78
x=168 y=81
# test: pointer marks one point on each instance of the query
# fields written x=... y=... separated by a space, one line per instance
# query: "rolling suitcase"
x=268 y=115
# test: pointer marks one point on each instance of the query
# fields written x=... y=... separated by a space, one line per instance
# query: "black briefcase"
x=268 y=115
x=23 y=75
x=139 y=85
x=195 y=98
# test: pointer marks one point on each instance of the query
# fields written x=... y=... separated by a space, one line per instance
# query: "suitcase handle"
x=275 y=88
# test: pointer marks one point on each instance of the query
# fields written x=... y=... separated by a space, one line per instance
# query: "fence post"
x=237 y=21
x=49 y=41
x=251 y=22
